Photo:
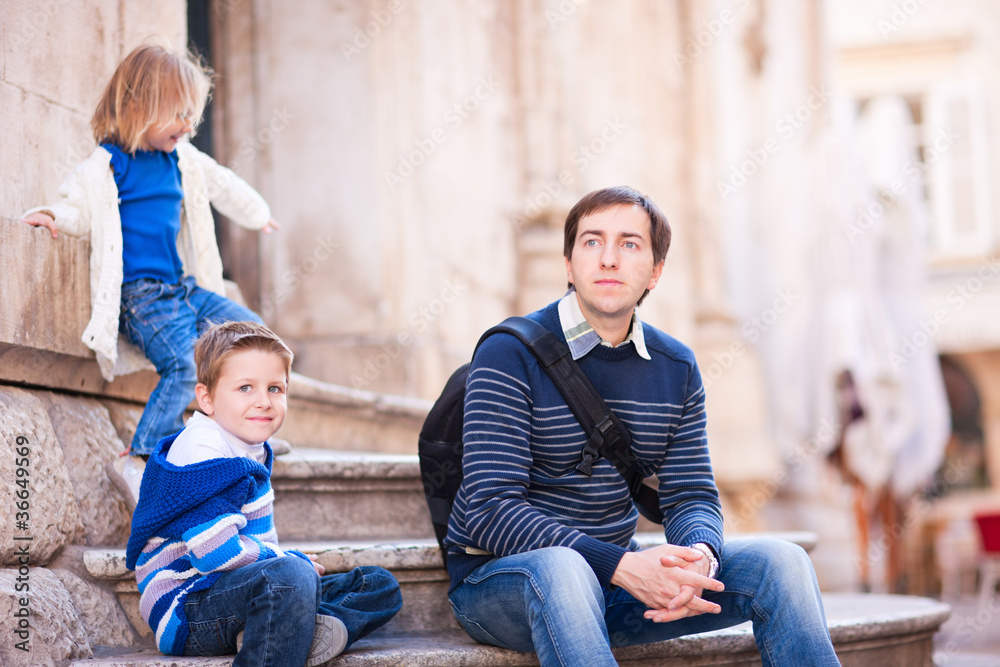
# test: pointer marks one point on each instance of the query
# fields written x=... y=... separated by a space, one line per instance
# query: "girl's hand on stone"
x=39 y=219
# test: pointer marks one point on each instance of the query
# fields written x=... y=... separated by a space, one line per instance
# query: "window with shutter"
x=954 y=150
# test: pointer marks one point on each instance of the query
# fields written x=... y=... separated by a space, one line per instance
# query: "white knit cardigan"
x=88 y=205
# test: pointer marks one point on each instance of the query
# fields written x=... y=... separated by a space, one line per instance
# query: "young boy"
x=211 y=575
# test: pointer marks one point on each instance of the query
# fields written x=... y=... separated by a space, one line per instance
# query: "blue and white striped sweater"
x=192 y=524
x=520 y=489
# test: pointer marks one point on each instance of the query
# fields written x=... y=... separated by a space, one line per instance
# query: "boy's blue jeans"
x=275 y=603
x=164 y=320
x=549 y=601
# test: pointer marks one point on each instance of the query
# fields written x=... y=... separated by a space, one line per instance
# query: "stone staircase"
x=350 y=508
x=326 y=502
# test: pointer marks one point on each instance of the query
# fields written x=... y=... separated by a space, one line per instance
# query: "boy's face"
x=250 y=398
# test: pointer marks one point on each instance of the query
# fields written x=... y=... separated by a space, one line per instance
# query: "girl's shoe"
x=125 y=472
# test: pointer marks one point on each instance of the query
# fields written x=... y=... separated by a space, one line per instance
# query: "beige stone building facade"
x=421 y=157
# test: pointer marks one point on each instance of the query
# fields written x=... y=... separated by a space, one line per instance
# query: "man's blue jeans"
x=164 y=320
x=275 y=603
x=549 y=601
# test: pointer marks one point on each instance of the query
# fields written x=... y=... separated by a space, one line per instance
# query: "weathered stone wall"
x=429 y=137
x=57 y=55
x=423 y=180
x=421 y=158
x=58 y=500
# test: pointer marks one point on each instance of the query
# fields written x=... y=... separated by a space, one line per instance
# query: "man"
x=539 y=554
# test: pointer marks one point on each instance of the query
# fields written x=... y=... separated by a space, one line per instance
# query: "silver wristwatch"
x=713 y=562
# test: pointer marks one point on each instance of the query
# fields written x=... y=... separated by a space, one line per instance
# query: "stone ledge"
x=30 y=366
x=108 y=564
x=36 y=336
x=305 y=463
x=416 y=563
x=307 y=389
x=878 y=630
x=327 y=494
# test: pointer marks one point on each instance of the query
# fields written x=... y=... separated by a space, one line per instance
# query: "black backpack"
x=440 y=444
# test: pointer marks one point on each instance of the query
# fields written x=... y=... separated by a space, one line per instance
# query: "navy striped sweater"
x=521 y=490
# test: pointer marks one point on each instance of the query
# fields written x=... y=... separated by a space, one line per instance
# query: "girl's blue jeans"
x=164 y=320
x=550 y=602
x=275 y=602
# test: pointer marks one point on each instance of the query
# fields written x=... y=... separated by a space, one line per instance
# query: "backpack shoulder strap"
x=606 y=435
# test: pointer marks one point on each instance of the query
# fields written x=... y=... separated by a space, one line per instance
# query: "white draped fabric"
x=870 y=254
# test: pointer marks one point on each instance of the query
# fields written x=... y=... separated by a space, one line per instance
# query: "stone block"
x=97 y=611
x=56 y=139
x=62 y=50
x=55 y=632
x=84 y=430
x=12 y=162
x=32 y=313
x=322 y=495
x=52 y=518
x=376 y=365
x=401 y=363
x=167 y=21
x=124 y=417
x=436 y=363
x=23 y=365
x=329 y=416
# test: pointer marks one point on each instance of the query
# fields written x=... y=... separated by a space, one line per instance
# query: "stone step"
x=322 y=495
x=320 y=415
x=867 y=631
x=329 y=416
x=415 y=563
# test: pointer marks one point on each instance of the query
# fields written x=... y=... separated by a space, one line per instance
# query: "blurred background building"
x=827 y=167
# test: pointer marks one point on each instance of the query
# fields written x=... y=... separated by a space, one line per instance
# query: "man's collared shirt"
x=582 y=338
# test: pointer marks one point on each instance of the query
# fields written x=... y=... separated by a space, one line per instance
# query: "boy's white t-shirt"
x=203 y=439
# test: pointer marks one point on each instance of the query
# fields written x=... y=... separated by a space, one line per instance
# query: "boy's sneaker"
x=329 y=640
x=125 y=472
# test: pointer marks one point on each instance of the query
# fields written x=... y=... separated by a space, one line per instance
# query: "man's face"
x=612 y=262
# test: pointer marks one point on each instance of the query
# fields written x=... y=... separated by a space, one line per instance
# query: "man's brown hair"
x=152 y=86
x=620 y=195
x=221 y=341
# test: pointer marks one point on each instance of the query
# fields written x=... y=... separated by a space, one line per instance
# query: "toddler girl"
x=155 y=271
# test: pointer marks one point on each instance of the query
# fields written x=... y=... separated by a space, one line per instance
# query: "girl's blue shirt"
x=149 y=202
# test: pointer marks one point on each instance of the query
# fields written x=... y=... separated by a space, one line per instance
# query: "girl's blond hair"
x=152 y=86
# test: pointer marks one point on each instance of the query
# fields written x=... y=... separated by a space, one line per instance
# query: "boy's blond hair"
x=151 y=86
x=214 y=347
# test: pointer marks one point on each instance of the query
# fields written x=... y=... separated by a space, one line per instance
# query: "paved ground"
x=971 y=637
